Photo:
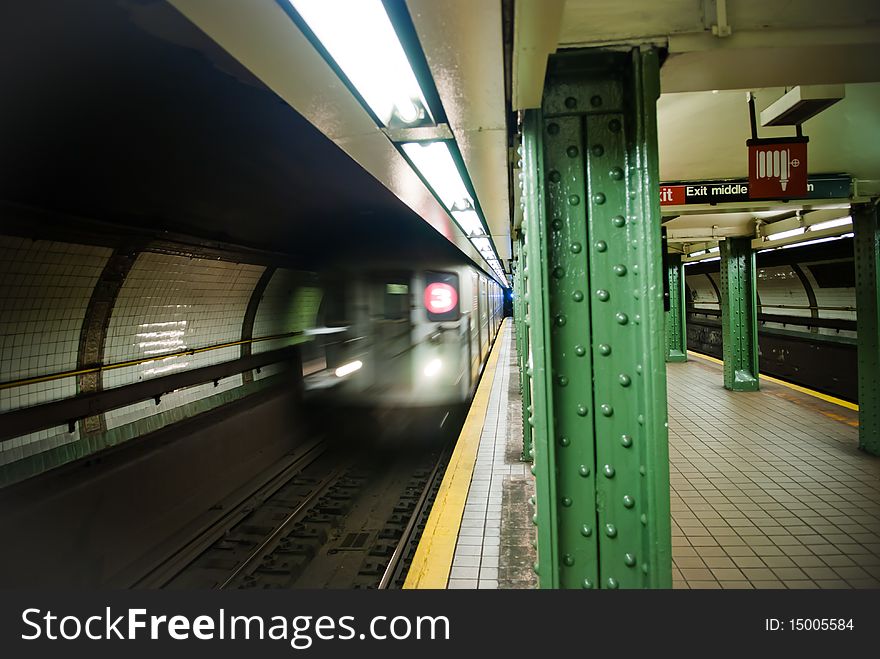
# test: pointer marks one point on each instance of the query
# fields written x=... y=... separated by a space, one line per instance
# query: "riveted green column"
x=535 y=278
x=866 y=248
x=739 y=314
x=601 y=462
x=676 y=328
x=522 y=338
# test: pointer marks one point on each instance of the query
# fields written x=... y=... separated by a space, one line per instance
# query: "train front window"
x=396 y=301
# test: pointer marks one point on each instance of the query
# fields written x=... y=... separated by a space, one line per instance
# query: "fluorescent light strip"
x=831 y=224
x=360 y=38
x=782 y=235
x=700 y=252
x=469 y=222
x=484 y=247
x=816 y=241
x=434 y=162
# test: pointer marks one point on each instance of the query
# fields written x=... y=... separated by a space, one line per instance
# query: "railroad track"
x=331 y=519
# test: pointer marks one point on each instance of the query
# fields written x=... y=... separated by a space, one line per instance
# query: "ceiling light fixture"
x=782 y=235
x=361 y=40
x=434 y=162
x=831 y=224
x=469 y=222
x=816 y=241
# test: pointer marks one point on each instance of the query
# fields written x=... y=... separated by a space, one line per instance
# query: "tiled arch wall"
x=166 y=303
x=45 y=289
x=780 y=285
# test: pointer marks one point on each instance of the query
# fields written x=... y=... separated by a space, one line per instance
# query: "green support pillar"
x=522 y=336
x=676 y=328
x=739 y=315
x=866 y=249
x=592 y=218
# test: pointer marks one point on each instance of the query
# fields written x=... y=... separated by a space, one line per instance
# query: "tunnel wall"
x=168 y=304
x=813 y=289
x=286 y=303
x=782 y=291
x=66 y=306
x=44 y=293
x=101 y=522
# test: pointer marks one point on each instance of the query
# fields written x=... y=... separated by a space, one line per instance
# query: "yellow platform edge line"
x=433 y=558
x=796 y=387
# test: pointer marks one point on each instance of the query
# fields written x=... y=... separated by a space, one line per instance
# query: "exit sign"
x=722 y=192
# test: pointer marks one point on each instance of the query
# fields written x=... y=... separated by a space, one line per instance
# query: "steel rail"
x=304 y=505
x=394 y=562
x=164 y=573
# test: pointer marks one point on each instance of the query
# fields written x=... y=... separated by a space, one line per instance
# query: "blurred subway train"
x=399 y=352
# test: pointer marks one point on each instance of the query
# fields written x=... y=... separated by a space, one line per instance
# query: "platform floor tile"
x=494 y=544
x=769 y=489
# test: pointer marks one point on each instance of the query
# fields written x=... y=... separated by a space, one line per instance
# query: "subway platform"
x=768 y=488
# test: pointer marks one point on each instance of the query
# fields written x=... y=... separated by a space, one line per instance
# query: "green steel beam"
x=739 y=315
x=866 y=248
x=522 y=346
x=537 y=317
x=599 y=409
x=676 y=329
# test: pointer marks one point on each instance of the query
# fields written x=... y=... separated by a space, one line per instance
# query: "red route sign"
x=440 y=298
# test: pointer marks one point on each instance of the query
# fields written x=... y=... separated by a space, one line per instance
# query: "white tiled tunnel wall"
x=826 y=296
x=780 y=286
x=283 y=308
x=45 y=288
x=168 y=304
x=704 y=294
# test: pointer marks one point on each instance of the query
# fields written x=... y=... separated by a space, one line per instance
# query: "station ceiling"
x=126 y=114
x=220 y=116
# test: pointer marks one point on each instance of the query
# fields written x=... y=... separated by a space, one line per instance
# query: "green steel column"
x=595 y=293
x=866 y=248
x=522 y=346
x=739 y=315
x=676 y=328
x=537 y=322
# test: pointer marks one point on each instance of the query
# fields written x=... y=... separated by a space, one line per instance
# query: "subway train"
x=806 y=315
x=400 y=351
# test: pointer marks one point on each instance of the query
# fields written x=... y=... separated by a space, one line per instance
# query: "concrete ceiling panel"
x=462 y=42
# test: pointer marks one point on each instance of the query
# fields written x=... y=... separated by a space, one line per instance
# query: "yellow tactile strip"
x=433 y=559
x=803 y=390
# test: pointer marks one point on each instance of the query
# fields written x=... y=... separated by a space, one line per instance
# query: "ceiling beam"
x=536 y=26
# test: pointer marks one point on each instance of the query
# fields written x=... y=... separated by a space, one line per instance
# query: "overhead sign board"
x=778 y=168
x=723 y=192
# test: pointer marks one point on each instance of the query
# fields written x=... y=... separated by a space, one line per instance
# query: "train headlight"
x=433 y=367
x=349 y=368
